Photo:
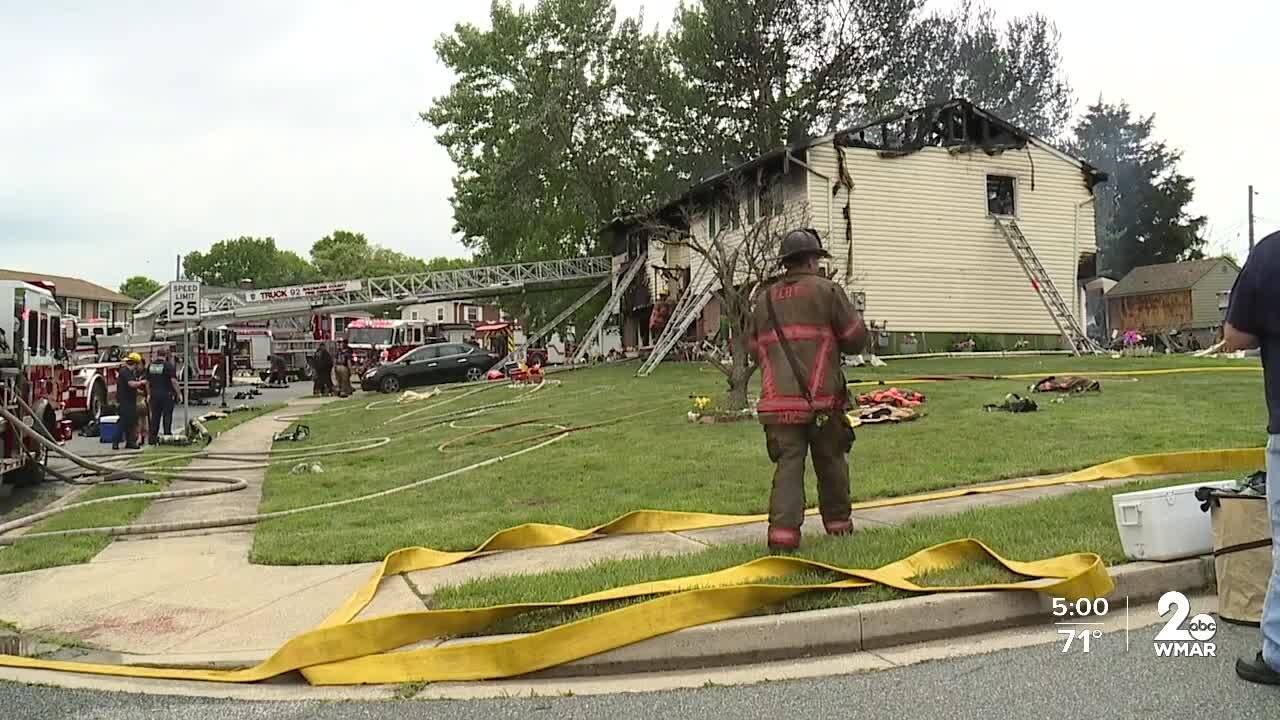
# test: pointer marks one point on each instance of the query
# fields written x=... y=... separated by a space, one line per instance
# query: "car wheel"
x=474 y=374
x=97 y=402
x=390 y=384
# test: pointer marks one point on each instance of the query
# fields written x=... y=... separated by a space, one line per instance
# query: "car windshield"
x=369 y=336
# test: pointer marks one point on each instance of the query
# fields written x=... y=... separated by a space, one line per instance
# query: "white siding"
x=928 y=255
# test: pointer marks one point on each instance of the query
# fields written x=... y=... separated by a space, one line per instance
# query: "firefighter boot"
x=783 y=540
x=838 y=527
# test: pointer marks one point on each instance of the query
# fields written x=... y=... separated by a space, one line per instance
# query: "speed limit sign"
x=184 y=301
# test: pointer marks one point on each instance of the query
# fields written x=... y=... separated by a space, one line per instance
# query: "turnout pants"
x=829 y=445
x=128 y=427
x=161 y=413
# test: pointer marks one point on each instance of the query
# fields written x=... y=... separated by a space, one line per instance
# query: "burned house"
x=908 y=206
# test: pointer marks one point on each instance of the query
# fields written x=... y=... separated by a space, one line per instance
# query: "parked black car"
x=433 y=364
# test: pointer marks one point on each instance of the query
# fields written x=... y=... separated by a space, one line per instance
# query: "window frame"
x=986 y=194
x=110 y=316
x=467 y=312
x=73 y=302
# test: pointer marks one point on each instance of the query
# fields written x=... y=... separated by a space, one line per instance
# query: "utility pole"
x=1251 y=194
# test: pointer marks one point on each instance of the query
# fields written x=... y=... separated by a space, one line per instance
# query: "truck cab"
x=33 y=371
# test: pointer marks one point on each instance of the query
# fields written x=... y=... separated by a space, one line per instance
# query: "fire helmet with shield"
x=800 y=243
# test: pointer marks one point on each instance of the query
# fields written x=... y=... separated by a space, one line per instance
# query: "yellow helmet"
x=134 y=357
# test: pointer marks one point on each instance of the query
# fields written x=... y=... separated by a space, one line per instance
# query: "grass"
x=661 y=461
x=53 y=552
x=1079 y=522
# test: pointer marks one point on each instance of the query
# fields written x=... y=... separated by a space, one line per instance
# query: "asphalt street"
x=1031 y=682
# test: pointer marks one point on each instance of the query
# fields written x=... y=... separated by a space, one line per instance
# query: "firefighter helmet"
x=134 y=358
x=801 y=242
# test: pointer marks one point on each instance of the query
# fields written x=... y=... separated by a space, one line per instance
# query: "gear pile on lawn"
x=887 y=406
x=1067 y=384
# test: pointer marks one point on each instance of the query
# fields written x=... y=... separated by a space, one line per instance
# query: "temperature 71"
x=1082 y=635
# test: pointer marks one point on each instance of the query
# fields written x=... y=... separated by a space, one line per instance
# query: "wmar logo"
x=1175 y=641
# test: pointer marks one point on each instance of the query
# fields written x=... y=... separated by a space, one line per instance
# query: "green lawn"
x=1080 y=522
x=661 y=461
x=52 y=552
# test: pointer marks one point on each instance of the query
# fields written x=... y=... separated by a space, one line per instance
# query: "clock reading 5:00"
x=1080 y=608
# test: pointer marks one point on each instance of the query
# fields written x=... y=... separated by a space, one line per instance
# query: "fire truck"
x=373 y=341
x=91 y=390
x=33 y=368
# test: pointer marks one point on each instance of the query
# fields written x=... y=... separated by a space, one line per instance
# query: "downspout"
x=1075 y=247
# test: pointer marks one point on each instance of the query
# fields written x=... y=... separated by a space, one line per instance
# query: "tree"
x=247 y=258
x=1015 y=71
x=1141 y=211
x=739 y=261
x=345 y=255
x=758 y=74
x=537 y=124
x=139 y=287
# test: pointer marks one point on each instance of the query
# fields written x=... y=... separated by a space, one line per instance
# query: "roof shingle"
x=1168 y=277
x=69 y=286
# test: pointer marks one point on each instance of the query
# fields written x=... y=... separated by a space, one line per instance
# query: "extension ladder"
x=1053 y=301
x=692 y=301
x=610 y=307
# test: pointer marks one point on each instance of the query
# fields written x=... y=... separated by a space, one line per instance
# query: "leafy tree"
x=345 y=255
x=445 y=263
x=1014 y=70
x=247 y=258
x=536 y=123
x=1142 y=216
x=139 y=287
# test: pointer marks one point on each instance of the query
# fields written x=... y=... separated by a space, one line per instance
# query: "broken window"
x=711 y=223
x=1000 y=195
x=730 y=218
x=770 y=198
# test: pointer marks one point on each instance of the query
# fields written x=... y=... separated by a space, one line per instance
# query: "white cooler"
x=1166 y=523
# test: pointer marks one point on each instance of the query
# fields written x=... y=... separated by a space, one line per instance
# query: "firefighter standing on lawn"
x=802 y=323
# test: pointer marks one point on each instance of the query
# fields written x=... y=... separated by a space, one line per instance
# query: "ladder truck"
x=33 y=371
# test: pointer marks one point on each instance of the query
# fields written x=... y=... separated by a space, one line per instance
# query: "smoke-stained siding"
x=926 y=252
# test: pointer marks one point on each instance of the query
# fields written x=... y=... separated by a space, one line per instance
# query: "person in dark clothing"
x=277 y=371
x=162 y=394
x=324 y=370
x=1253 y=322
x=127 y=384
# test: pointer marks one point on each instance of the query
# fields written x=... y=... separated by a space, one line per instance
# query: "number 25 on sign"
x=184 y=301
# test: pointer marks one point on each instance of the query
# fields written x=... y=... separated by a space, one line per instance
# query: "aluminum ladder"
x=555 y=322
x=688 y=308
x=1053 y=301
x=610 y=307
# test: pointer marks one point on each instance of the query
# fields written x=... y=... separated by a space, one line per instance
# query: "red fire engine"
x=33 y=367
x=373 y=341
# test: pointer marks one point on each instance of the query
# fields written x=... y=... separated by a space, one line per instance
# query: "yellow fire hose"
x=343 y=651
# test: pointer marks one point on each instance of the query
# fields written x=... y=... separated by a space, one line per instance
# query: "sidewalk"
x=198 y=599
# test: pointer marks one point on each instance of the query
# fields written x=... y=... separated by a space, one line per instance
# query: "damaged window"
x=730 y=218
x=770 y=199
x=1000 y=195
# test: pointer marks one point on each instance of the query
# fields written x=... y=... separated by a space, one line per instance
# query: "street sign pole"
x=186 y=380
x=184 y=307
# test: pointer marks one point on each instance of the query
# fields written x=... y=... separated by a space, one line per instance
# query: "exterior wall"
x=1205 y=312
x=1155 y=312
x=927 y=253
x=454 y=312
x=121 y=312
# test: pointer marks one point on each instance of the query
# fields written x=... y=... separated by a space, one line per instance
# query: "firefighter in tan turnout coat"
x=801 y=325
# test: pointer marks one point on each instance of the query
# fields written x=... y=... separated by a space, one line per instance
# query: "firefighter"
x=342 y=375
x=801 y=323
x=163 y=394
x=128 y=382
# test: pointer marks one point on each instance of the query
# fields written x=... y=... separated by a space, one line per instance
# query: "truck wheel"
x=33 y=472
x=97 y=402
x=390 y=384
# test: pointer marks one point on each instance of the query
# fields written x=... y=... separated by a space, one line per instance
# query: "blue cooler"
x=109 y=429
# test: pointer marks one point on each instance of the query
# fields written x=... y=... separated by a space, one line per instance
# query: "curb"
x=797 y=635
x=790 y=636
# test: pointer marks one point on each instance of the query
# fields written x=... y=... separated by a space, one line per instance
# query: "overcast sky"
x=133 y=131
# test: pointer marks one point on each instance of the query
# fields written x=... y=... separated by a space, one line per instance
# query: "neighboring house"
x=1174 y=297
x=452 y=311
x=907 y=207
x=81 y=298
